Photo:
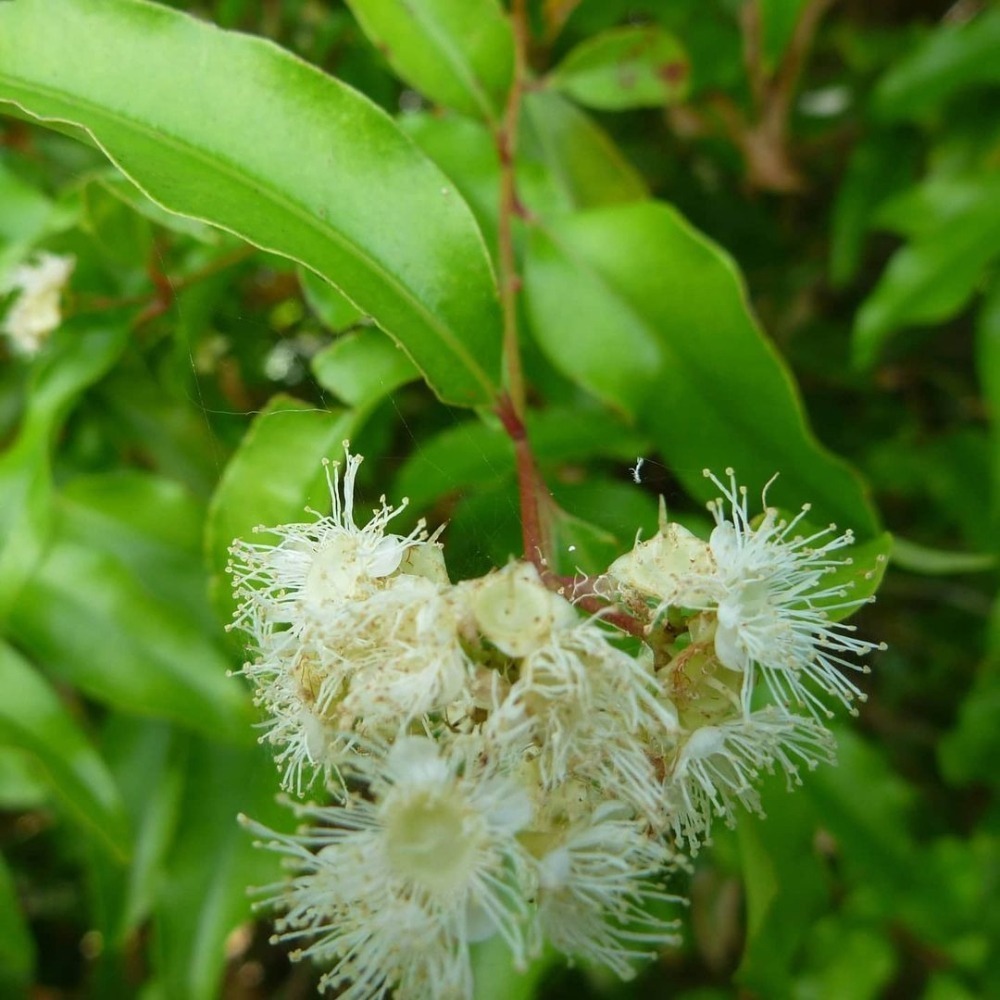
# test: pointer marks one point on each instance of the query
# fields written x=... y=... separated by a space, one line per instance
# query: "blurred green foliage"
x=831 y=177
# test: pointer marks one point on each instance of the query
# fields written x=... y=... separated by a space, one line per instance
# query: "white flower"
x=764 y=584
x=596 y=888
x=35 y=313
x=316 y=570
x=714 y=769
x=577 y=703
x=391 y=889
x=772 y=607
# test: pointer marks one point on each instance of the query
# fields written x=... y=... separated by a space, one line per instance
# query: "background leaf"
x=275 y=473
x=32 y=717
x=460 y=53
x=625 y=68
x=350 y=202
x=645 y=312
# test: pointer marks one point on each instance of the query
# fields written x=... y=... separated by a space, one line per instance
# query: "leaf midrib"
x=278 y=198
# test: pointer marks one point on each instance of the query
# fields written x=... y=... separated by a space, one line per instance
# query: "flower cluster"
x=495 y=761
x=35 y=311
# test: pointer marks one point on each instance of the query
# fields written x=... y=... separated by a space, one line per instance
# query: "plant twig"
x=510 y=208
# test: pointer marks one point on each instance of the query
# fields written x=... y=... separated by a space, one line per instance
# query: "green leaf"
x=988 y=369
x=585 y=163
x=640 y=308
x=879 y=166
x=634 y=67
x=953 y=57
x=24 y=220
x=32 y=717
x=476 y=455
x=362 y=368
x=471 y=456
x=861 y=576
x=275 y=473
x=334 y=310
x=932 y=562
x=148 y=762
x=932 y=277
x=213 y=863
x=460 y=53
x=76 y=357
x=261 y=144
x=152 y=526
x=785 y=888
x=17 y=947
x=91 y=622
x=969 y=752
x=466 y=151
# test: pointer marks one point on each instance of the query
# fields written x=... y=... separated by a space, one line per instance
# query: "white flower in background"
x=35 y=312
x=714 y=769
x=596 y=887
x=316 y=570
x=391 y=889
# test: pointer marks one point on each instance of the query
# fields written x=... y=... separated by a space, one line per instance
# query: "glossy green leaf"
x=933 y=276
x=152 y=526
x=860 y=576
x=466 y=151
x=201 y=904
x=953 y=57
x=26 y=215
x=476 y=455
x=640 y=308
x=335 y=311
x=583 y=160
x=633 y=67
x=276 y=472
x=76 y=357
x=148 y=761
x=22 y=781
x=363 y=367
x=460 y=53
x=261 y=144
x=471 y=456
x=17 y=947
x=91 y=622
x=33 y=717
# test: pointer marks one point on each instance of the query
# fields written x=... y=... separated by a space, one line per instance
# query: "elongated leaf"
x=585 y=163
x=631 y=67
x=644 y=311
x=460 y=53
x=91 y=622
x=200 y=905
x=76 y=358
x=257 y=142
x=932 y=277
x=363 y=367
x=922 y=559
x=17 y=948
x=951 y=58
x=275 y=473
x=33 y=717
